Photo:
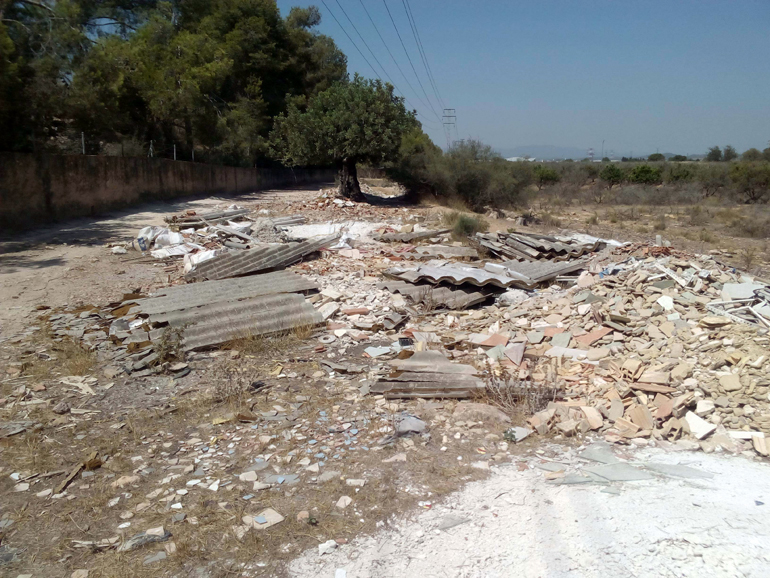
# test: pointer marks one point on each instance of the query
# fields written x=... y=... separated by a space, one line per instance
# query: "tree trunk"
x=188 y=132
x=349 y=187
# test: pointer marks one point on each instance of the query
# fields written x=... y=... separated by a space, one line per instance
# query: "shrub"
x=464 y=225
x=677 y=174
x=470 y=171
x=713 y=178
x=645 y=175
x=612 y=175
x=545 y=176
x=752 y=180
x=656 y=157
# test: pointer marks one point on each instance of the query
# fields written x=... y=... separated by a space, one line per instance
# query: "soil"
x=163 y=431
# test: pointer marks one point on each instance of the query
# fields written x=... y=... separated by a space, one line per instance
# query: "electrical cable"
x=393 y=58
x=409 y=58
x=421 y=50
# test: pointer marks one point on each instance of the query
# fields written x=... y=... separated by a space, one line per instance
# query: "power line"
x=371 y=51
x=393 y=58
x=410 y=59
x=421 y=50
x=351 y=40
x=361 y=53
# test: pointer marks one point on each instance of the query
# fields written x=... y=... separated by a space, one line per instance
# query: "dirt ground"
x=171 y=456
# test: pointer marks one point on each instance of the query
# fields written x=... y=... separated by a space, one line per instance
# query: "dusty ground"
x=157 y=435
x=518 y=523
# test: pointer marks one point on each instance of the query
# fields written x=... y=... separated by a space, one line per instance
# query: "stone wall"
x=43 y=188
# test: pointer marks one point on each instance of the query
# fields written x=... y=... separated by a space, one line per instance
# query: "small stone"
x=303 y=516
x=157 y=557
x=81 y=573
x=327 y=547
x=731 y=382
x=344 y=502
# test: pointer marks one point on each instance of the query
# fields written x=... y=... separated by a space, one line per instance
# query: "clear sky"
x=642 y=75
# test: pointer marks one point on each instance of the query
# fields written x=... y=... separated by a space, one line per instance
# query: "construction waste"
x=635 y=342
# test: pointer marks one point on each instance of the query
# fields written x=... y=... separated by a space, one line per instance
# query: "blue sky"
x=642 y=75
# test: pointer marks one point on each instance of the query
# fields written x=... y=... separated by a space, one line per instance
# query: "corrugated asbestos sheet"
x=534 y=247
x=530 y=273
x=443 y=252
x=451 y=273
x=226 y=320
x=197 y=294
x=237 y=263
x=286 y=221
x=441 y=296
x=428 y=374
x=408 y=237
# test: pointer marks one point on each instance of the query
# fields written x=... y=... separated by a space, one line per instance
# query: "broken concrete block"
x=731 y=382
x=593 y=416
x=699 y=428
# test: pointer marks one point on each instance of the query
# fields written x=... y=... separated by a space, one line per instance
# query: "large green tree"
x=361 y=121
x=203 y=75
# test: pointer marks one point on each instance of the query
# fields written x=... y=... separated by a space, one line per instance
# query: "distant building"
x=515 y=159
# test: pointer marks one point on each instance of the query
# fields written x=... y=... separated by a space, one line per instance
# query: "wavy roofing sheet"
x=224 y=321
x=452 y=273
x=237 y=263
x=207 y=292
x=452 y=298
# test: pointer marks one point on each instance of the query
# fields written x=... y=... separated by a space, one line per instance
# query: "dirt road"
x=518 y=524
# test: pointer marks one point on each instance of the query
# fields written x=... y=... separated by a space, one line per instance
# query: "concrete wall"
x=40 y=188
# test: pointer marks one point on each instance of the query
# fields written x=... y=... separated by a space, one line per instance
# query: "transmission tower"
x=450 y=121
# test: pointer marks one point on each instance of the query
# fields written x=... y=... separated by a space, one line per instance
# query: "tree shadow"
x=11 y=263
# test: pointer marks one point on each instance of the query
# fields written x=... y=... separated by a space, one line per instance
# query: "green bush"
x=712 y=177
x=464 y=225
x=645 y=175
x=612 y=175
x=752 y=180
x=545 y=175
x=470 y=172
x=678 y=174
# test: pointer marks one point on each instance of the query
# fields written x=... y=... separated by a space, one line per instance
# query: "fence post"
x=83 y=141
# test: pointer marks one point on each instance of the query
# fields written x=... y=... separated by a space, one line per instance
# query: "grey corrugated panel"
x=534 y=272
x=220 y=322
x=444 y=251
x=455 y=275
x=290 y=220
x=207 y=292
x=453 y=298
x=260 y=259
x=408 y=237
x=414 y=385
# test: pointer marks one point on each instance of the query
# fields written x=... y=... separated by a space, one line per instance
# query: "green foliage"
x=362 y=120
x=209 y=76
x=545 y=175
x=712 y=178
x=656 y=157
x=714 y=155
x=470 y=172
x=752 y=155
x=591 y=171
x=353 y=122
x=678 y=174
x=645 y=175
x=729 y=154
x=464 y=225
x=752 y=180
x=612 y=175
x=678 y=158
x=766 y=154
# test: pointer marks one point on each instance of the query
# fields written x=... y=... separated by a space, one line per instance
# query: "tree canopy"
x=349 y=123
x=208 y=76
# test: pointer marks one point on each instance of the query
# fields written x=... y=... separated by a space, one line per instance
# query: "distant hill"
x=545 y=152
